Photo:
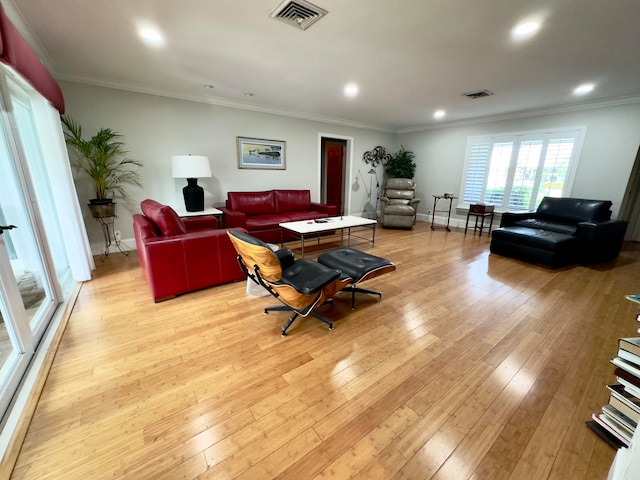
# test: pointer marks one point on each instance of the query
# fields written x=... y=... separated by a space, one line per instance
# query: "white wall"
x=156 y=128
x=609 y=150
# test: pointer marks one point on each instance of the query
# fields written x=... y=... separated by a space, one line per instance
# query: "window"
x=515 y=171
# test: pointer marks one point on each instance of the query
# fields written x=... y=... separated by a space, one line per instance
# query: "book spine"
x=600 y=420
x=625 y=410
x=629 y=387
x=629 y=357
x=626 y=366
x=631 y=345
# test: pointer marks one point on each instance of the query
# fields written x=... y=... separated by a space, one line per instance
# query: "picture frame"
x=260 y=153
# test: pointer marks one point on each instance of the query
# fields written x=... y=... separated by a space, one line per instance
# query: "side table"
x=207 y=211
x=446 y=196
x=479 y=210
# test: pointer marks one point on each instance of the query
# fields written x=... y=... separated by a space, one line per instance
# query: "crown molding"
x=223 y=103
x=614 y=102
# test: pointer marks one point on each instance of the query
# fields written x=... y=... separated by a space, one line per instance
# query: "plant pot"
x=103 y=210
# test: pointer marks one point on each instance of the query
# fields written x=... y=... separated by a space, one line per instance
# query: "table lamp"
x=191 y=167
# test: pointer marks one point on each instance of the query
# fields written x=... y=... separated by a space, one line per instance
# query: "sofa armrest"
x=233 y=218
x=189 y=261
x=204 y=222
x=509 y=219
x=330 y=210
x=601 y=240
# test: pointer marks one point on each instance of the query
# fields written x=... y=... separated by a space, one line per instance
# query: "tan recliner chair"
x=399 y=204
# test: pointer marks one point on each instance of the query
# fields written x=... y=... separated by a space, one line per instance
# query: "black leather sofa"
x=562 y=231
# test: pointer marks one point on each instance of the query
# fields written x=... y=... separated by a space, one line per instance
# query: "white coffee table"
x=307 y=228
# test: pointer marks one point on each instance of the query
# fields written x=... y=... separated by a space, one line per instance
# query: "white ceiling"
x=409 y=57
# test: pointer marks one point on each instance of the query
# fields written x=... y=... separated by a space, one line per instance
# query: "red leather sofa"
x=261 y=212
x=180 y=255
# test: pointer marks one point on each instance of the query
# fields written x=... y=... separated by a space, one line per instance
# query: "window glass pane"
x=498 y=171
x=556 y=168
x=477 y=167
x=525 y=174
x=39 y=177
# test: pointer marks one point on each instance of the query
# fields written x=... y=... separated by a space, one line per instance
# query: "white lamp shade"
x=190 y=166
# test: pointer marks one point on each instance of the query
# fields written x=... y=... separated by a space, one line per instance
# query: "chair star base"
x=294 y=315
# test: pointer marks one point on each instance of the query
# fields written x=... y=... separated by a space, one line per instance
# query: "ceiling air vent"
x=299 y=13
x=480 y=94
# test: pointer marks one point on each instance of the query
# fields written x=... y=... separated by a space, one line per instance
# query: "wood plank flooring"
x=471 y=366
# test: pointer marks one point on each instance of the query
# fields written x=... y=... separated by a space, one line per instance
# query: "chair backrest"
x=166 y=220
x=255 y=252
x=401 y=188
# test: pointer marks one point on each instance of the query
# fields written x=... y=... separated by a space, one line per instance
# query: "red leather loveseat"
x=261 y=212
x=180 y=255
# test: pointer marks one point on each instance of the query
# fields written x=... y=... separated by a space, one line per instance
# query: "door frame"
x=346 y=194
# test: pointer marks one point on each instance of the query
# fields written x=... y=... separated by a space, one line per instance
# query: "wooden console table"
x=448 y=212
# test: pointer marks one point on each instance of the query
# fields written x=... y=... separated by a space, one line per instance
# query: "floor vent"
x=298 y=13
x=480 y=94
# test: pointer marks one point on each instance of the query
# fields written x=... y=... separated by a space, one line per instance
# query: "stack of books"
x=619 y=418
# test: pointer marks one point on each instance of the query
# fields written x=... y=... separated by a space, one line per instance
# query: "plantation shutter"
x=476 y=172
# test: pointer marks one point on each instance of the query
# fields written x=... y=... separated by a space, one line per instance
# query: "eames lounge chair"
x=301 y=285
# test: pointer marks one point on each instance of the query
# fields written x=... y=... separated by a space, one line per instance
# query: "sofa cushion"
x=401 y=194
x=292 y=200
x=263 y=222
x=568 y=228
x=573 y=210
x=164 y=217
x=252 y=203
x=302 y=215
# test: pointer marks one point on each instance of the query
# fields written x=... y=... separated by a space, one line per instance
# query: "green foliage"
x=401 y=164
x=103 y=158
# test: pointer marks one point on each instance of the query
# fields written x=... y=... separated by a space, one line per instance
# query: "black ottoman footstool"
x=357 y=265
x=544 y=247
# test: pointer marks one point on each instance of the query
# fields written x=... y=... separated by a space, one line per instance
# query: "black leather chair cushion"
x=308 y=277
x=542 y=239
x=573 y=210
x=353 y=263
x=568 y=228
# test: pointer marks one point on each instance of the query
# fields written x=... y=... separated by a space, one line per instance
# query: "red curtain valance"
x=16 y=52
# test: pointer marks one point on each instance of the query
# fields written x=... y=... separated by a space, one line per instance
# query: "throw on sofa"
x=560 y=232
x=260 y=213
x=180 y=255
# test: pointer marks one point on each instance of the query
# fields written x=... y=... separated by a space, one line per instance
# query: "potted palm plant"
x=104 y=159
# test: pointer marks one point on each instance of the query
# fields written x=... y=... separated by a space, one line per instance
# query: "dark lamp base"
x=193 y=196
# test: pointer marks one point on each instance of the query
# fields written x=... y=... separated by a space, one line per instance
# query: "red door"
x=335 y=174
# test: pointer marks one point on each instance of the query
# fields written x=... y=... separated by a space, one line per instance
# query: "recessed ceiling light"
x=208 y=85
x=351 y=90
x=584 y=89
x=438 y=114
x=151 y=36
x=525 y=30
x=248 y=94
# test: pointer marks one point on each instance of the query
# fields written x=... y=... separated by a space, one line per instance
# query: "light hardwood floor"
x=471 y=366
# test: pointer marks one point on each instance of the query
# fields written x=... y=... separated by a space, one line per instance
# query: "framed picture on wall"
x=262 y=154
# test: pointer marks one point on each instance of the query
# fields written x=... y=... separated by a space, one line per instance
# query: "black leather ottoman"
x=551 y=249
x=357 y=265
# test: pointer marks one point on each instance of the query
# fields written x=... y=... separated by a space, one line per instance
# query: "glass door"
x=29 y=289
